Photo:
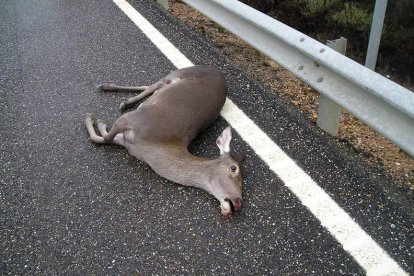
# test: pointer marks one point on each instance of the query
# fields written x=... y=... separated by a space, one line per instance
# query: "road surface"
x=71 y=207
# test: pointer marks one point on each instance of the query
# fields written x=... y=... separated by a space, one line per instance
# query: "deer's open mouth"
x=230 y=206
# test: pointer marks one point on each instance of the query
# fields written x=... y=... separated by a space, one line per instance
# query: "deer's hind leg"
x=109 y=87
x=148 y=91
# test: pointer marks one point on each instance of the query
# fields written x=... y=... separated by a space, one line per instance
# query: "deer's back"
x=191 y=100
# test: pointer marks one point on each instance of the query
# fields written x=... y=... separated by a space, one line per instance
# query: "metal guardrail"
x=385 y=106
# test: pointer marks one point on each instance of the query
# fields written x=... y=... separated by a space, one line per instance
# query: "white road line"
x=349 y=234
x=163 y=44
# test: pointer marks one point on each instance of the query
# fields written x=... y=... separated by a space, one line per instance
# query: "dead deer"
x=159 y=131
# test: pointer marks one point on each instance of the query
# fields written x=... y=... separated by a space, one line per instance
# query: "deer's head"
x=226 y=179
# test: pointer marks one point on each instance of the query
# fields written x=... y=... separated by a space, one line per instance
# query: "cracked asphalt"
x=71 y=207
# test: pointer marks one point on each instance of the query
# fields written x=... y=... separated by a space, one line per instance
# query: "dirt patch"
x=374 y=148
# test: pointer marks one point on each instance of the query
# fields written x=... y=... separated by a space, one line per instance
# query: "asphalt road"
x=71 y=207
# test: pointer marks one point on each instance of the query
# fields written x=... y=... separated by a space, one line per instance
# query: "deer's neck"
x=175 y=163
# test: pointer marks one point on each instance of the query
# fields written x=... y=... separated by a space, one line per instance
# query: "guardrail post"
x=375 y=35
x=329 y=113
x=359 y=90
x=163 y=3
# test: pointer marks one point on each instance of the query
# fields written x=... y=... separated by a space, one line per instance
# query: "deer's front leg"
x=112 y=136
x=117 y=139
x=91 y=131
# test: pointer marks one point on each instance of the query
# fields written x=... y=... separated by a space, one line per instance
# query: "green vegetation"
x=331 y=19
x=352 y=16
x=312 y=7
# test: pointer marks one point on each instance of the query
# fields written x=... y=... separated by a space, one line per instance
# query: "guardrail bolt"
x=320 y=79
x=316 y=63
x=301 y=67
x=322 y=50
x=302 y=39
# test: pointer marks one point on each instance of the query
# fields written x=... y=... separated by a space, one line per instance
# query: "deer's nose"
x=237 y=204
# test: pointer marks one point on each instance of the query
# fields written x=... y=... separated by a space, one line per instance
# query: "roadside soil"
x=372 y=147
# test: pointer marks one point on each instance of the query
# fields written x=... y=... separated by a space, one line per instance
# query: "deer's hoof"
x=88 y=116
x=122 y=106
x=105 y=87
x=100 y=121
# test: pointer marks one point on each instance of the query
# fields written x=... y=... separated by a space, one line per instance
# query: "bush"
x=313 y=7
x=330 y=19
x=401 y=13
x=353 y=17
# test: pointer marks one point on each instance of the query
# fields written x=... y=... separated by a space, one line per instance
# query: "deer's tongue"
x=226 y=208
x=225 y=213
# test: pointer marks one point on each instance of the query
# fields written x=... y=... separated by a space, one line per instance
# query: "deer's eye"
x=233 y=168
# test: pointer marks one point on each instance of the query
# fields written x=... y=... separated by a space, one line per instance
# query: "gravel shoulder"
x=375 y=149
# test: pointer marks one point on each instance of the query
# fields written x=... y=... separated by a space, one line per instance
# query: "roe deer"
x=159 y=131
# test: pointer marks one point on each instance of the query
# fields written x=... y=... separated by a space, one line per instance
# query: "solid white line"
x=347 y=232
x=163 y=44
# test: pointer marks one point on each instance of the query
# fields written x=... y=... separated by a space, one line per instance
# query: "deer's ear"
x=223 y=141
